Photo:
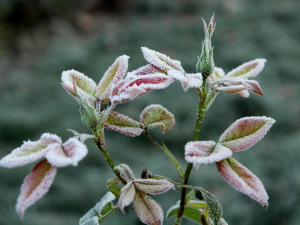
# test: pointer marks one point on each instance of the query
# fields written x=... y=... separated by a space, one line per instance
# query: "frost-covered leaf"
x=214 y=206
x=236 y=85
x=134 y=86
x=161 y=61
x=77 y=82
x=125 y=172
x=243 y=180
x=205 y=152
x=30 y=151
x=35 y=185
x=189 y=213
x=248 y=69
x=123 y=124
x=99 y=211
x=70 y=153
x=152 y=186
x=127 y=195
x=81 y=137
x=188 y=80
x=216 y=75
x=114 y=74
x=146 y=70
x=245 y=132
x=156 y=115
x=147 y=209
x=112 y=186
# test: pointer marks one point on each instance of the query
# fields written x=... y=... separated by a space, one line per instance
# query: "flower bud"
x=89 y=115
x=205 y=64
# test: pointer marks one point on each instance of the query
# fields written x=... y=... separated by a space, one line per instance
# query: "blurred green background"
x=39 y=39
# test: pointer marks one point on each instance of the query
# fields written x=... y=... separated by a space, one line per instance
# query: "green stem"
x=200 y=114
x=166 y=151
x=109 y=160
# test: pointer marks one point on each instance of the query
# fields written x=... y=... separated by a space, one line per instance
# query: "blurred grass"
x=36 y=47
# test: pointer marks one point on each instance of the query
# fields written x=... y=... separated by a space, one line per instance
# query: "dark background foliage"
x=39 y=39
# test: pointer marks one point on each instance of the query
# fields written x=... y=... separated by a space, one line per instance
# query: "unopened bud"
x=205 y=64
x=89 y=115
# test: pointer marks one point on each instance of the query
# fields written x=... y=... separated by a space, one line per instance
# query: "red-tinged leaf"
x=35 y=186
x=205 y=152
x=147 y=209
x=152 y=186
x=30 y=151
x=146 y=70
x=253 y=86
x=156 y=115
x=127 y=196
x=113 y=75
x=161 y=61
x=79 y=83
x=70 y=153
x=135 y=86
x=245 y=132
x=235 y=85
x=123 y=124
x=231 y=88
x=248 y=69
x=188 y=80
x=243 y=180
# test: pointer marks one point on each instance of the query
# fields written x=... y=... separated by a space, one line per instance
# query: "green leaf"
x=205 y=217
x=214 y=206
x=112 y=186
x=156 y=115
x=197 y=204
x=190 y=196
x=189 y=213
x=100 y=211
x=123 y=124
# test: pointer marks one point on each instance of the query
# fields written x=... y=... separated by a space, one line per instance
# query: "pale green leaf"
x=156 y=115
